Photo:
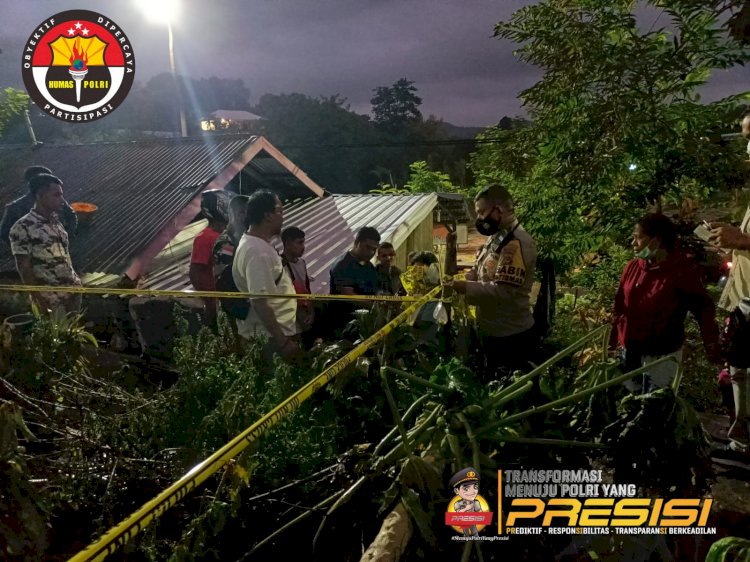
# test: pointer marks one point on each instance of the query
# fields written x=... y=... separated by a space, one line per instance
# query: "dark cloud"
x=325 y=47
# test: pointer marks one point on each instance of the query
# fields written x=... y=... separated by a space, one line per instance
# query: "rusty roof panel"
x=138 y=186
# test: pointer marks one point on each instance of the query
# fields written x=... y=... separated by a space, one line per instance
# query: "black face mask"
x=487 y=226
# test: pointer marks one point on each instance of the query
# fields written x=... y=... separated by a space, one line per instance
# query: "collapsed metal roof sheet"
x=330 y=225
x=141 y=187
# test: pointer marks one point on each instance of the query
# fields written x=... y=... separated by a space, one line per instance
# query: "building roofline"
x=161 y=140
x=142 y=262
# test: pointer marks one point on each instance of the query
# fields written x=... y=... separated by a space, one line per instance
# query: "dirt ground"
x=467 y=252
x=731 y=489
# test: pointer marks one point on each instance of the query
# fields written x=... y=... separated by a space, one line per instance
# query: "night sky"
x=325 y=47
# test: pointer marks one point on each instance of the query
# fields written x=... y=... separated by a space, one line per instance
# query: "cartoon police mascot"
x=465 y=484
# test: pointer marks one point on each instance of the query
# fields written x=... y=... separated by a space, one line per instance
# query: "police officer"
x=465 y=484
x=500 y=283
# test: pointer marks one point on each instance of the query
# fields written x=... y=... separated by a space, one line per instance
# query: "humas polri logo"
x=78 y=66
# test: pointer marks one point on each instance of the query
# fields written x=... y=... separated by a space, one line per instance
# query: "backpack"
x=235 y=307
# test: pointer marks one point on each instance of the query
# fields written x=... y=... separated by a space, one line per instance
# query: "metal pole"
x=183 y=122
x=29 y=128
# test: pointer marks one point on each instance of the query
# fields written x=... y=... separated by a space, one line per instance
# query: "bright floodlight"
x=160 y=11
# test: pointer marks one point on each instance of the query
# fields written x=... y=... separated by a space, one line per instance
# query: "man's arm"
x=480 y=293
x=260 y=279
x=201 y=271
x=729 y=237
x=20 y=246
x=307 y=276
x=341 y=282
x=618 y=309
x=23 y=265
x=26 y=271
x=498 y=290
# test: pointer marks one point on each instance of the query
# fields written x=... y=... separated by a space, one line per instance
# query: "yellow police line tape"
x=127 y=529
x=193 y=294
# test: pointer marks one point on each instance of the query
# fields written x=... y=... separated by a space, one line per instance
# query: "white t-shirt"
x=257 y=266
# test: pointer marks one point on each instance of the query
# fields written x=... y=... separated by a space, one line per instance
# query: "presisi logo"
x=78 y=66
x=609 y=512
x=578 y=501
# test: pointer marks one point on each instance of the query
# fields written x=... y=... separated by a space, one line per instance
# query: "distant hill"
x=458 y=132
x=506 y=123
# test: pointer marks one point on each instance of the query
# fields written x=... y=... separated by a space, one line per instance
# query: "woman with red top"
x=657 y=290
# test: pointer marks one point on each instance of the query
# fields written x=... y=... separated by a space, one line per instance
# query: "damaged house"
x=146 y=196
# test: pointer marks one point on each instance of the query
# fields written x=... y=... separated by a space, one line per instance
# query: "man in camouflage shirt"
x=40 y=245
x=18 y=208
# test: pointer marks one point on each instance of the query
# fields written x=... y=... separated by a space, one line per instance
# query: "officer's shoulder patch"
x=512 y=269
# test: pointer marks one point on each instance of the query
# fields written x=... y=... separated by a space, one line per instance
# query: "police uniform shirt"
x=461 y=504
x=505 y=275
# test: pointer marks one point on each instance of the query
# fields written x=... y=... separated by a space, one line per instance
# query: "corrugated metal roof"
x=171 y=267
x=139 y=187
x=329 y=224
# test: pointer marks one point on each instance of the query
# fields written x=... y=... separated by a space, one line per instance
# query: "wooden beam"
x=289 y=165
x=142 y=263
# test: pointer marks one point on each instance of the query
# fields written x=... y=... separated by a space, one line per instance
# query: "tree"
x=397 y=117
x=153 y=107
x=738 y=23
x=12 y=104
x=617 y=120
x=344 y=151
x=220 y=93
x=394 y=107
x=422 y=180
x=146 y=109
x=509 y=123
x=317 y=134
